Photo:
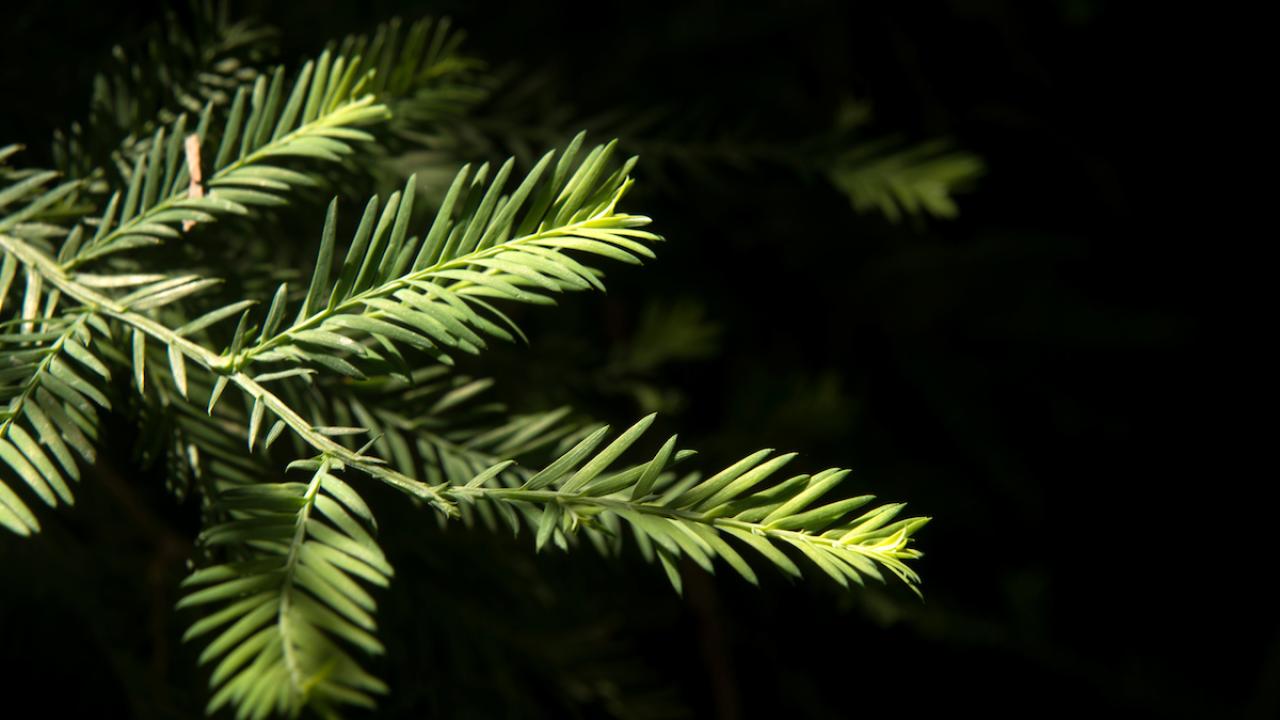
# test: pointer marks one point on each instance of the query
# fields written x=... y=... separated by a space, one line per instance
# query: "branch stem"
x=881 y=551
x=55 y=275
x=358 y=300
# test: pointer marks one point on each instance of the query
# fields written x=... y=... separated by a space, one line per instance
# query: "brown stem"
x=170 y=549
x=705 y=602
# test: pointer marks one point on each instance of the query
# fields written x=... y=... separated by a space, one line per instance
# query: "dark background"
x=1048 y=376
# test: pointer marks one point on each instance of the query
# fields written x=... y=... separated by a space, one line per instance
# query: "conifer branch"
x=287 y=595
x=671 y=516
x=182 y=348
x=292 y=606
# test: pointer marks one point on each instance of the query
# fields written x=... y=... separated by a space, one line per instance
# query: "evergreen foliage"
x=276 y=403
